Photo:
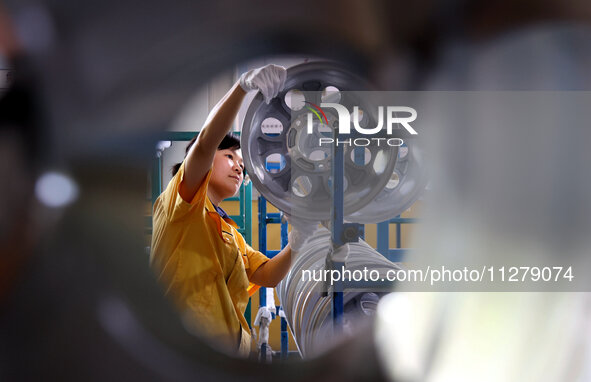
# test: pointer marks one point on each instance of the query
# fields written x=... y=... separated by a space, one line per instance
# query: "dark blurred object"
x=20 y=155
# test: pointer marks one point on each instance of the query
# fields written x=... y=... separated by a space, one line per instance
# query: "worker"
x=198 y=254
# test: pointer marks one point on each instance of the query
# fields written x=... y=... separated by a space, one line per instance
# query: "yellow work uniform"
x=204 y=264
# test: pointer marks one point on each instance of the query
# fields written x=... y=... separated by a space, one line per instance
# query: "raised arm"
x=269 y=80
x=200 y=157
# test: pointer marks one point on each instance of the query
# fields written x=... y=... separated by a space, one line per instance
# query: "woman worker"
x=197 y=253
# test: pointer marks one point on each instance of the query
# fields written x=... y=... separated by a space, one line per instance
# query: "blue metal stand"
x=263 y=249
x=383 y=238
x=284 y=339
x=337 y=231
x=266 y=218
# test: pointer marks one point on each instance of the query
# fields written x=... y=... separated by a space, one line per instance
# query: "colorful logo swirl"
x=316 y=112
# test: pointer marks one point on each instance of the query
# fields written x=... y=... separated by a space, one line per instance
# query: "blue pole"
x=262 y=242
x=337 y=214
x=263 y=250
x=248 y=213
x=284 y=339
x=284 y=335
x=383 y=237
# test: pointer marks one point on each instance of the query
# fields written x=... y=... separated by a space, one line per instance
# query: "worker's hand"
x=301 y=231
x=269 y=79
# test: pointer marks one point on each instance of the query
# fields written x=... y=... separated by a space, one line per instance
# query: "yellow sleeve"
x=168 y=226
x=174 y=205
x=255 y=260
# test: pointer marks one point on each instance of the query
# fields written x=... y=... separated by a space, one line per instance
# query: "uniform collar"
x=222 y=213
x=210 y=207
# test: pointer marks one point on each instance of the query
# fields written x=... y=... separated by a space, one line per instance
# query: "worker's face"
x=227 y=172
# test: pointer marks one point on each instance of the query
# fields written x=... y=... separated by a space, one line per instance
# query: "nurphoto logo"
x=395 y=117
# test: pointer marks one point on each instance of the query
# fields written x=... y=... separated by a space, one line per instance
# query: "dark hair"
x=230 y=141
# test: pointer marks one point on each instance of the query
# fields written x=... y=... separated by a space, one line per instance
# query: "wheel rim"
x=301 y=185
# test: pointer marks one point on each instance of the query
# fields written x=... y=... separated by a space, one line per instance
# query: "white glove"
x=301 y=231
x=269 y=79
